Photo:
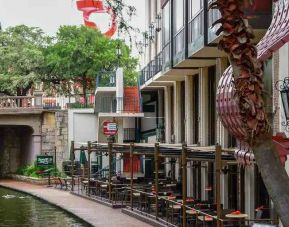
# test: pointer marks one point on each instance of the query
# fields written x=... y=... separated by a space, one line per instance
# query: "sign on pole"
x=44 y=160
x=109 y=128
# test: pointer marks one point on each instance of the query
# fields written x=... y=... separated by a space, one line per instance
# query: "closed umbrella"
x=82 y=158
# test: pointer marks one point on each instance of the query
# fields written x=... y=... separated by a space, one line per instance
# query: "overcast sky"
x=50 y=14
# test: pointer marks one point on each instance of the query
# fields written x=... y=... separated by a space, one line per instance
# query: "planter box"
x=32 y=180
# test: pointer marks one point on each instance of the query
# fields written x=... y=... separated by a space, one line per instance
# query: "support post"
x=157 y=152
x=131 y=148
x=72 y=166
x=218 y=166
x=109 y=168
x=184 y=183
x=55 y=165
x=88 y=174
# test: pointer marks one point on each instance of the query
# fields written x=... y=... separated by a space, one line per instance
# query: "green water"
x=17 y=210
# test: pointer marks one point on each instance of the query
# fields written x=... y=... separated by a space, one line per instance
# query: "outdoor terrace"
x=159 y=199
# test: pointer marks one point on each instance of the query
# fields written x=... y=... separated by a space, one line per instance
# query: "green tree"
x=249 y=92
x=21 y=58
x=78 y=54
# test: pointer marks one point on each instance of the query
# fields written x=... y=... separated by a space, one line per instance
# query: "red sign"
x=109 y=128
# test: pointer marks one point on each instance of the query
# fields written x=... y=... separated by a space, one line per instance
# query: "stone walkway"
x=92 y=212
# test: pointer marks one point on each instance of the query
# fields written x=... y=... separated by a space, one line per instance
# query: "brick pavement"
x=92 y=212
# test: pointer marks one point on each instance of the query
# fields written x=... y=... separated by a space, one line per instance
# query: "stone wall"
x=55 y=135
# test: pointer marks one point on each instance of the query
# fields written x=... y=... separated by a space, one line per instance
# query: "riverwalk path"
x=89 y=211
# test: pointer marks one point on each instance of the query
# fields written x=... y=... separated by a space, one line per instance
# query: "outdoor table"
x=236 y=216
x=205 y=218
x=191 y=212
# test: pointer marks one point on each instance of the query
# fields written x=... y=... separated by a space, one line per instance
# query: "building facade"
x=183 y=66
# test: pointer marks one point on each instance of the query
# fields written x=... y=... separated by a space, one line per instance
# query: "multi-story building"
x=182 y=72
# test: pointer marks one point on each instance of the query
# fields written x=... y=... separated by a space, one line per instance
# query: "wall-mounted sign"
x=109 y=128
x=44 y=160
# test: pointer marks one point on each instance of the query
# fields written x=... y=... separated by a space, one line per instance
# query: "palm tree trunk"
x=275 y=178
x=248 y=77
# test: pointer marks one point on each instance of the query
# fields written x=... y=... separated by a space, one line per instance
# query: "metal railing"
x=106 y=79
x=153 y=67
x=179 y=45
x=129 y=134
x=111 y=104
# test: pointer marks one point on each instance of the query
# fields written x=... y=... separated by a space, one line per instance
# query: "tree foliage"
x=79 y=54
x=21 y=58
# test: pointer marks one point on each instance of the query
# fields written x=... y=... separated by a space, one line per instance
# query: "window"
x=166 y=23
x=195 y=7
x=178 y=15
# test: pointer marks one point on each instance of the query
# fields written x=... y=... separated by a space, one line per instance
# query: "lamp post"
x=158 y=22
x=283 y=87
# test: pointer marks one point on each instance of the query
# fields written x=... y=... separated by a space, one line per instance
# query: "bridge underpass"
x=16 y=148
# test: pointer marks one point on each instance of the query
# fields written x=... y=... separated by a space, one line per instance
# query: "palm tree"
x=248 y=82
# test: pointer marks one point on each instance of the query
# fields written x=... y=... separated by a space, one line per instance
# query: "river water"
x=21 y=210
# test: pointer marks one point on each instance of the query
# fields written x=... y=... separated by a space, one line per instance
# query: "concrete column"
x=250 y=192
x=119 y=90
x=120 y=130
x=168 y=116
x=224 y=190
x=203 y=107
x=36 y=148
x=189 y=109
x=177 y=112
x=222 y=133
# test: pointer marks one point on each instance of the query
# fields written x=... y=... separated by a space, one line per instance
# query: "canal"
x=21 y=210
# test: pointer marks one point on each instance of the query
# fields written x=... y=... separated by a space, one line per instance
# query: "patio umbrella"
x=72 y=155
x=82 y=158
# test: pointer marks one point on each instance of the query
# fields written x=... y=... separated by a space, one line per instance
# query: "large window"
x=166 y=24
x=195 y=6
x=178 y=15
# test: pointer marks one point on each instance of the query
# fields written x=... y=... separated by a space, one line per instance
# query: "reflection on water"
x=20 y=210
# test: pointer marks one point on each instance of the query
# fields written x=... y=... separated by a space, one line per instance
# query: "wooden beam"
x=218 y=166
x=109 y=168
x=157 y=153
x=131 y=148
x=184 y=183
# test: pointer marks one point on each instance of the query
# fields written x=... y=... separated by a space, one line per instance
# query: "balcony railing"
x=111 y=104
x=106 y=79
x=129 y=134
x=154 y=67
x=44 y=102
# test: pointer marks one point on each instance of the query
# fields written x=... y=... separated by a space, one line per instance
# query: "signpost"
x=44 y=160
x=109 y=128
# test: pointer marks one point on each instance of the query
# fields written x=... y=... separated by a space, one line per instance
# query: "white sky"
x=50 y=14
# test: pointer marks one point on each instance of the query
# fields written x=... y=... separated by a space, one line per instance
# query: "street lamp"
x=158 y=22
x=151 y=35
x=145 y=39
x=283 y=87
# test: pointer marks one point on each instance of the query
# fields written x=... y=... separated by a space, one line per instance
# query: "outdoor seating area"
x=162 y=196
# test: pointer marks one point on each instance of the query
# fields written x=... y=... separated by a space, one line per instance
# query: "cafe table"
x=237 y=216
x=191 y=212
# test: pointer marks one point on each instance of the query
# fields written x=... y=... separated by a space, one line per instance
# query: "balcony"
x=153 y=68
x=24 y=104
x=105 y=82
x=110 y=106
